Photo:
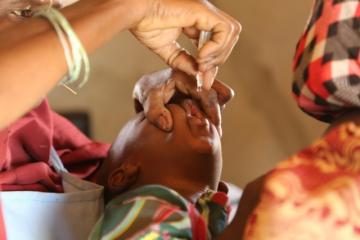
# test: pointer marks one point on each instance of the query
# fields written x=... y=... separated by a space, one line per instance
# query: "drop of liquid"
x=199 y=82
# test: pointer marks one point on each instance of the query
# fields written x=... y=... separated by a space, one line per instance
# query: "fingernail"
x=163 y=124
x=220 y=131
x=187 y=107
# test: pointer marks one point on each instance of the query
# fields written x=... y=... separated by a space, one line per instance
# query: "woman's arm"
x=8 y=6
x=32 y=59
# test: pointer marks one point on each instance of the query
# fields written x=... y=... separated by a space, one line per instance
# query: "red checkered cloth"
x=326 y=65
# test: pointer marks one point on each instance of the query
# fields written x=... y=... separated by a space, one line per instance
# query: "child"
x=169 y=181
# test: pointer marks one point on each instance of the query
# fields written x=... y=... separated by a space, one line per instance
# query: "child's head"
x=188 y=159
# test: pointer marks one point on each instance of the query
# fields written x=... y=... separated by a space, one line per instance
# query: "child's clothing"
x=157 y=212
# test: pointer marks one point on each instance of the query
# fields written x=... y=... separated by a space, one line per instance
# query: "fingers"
x=214 y=62
x=209 y=77
x=225 y=35
x=156 y=112
x=207 y=98
x=187 y=85
x=211 y=107
x=224 y=92
x=151 y=82
x=166 y=20
x=151 y=93
x=186 y=63
x=179 y=59
x=192 y=33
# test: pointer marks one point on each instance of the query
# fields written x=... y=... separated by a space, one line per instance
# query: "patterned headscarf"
x=315 y=194
x=326 y=64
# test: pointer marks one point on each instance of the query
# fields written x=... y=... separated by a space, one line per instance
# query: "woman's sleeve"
x=314 y=194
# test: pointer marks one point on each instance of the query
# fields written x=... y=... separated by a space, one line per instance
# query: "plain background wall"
x=262 y=125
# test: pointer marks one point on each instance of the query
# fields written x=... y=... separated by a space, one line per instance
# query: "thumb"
x=156 y=112
x=208 y=77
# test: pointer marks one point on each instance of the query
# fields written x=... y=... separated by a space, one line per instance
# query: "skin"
x=168 y=158
x=6 y=6
x=154 y=90
x=155 y=23
x=252 y=191
x=127 y=138
x=142 y=155
x=249 y=200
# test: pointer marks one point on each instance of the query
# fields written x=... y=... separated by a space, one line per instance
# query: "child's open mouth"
x=196 y=117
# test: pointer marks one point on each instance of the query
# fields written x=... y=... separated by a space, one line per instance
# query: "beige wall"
x=261 y=126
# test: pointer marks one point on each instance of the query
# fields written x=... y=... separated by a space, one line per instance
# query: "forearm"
x=32 y=60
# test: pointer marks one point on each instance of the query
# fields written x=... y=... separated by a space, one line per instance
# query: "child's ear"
x=121 y=178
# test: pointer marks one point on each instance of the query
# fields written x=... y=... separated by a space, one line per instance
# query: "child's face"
x=190 y=154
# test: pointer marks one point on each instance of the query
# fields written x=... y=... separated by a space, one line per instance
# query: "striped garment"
x=156 y=212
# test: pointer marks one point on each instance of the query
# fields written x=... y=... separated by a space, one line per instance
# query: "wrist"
x=131 y=12
x=123 y=12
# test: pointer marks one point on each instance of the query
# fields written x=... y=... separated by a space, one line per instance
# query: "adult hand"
x=165 y=20
x=154 y=90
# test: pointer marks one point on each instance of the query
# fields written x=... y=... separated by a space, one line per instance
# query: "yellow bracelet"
x=75 y=54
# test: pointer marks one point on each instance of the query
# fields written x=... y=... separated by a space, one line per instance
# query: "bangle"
x=75 y=54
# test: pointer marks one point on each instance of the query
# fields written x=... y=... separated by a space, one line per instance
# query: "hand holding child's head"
x=187 y=159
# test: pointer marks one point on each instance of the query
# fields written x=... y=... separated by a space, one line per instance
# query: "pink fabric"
x=25 y=149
